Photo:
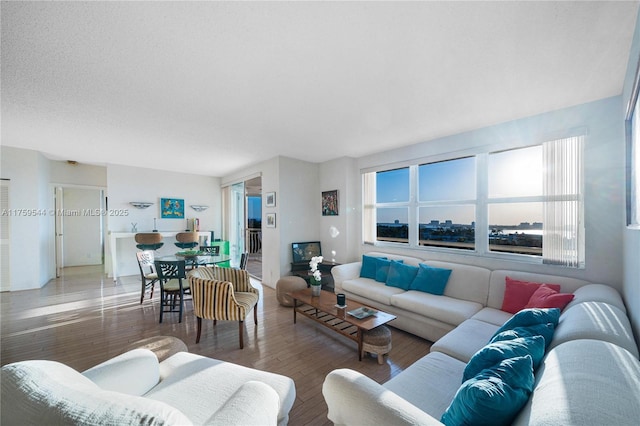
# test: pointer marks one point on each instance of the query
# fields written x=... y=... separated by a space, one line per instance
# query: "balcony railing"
x=254 y=240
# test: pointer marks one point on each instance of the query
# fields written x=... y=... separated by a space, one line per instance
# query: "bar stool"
x=186 y=240
x=148 y=240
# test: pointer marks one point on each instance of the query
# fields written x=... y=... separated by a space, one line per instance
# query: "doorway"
x=79 y=226
x=245 y=224
x=253 y=233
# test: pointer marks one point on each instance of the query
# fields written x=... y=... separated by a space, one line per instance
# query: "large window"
x=444 y=207
x=447 y=203
x=633 y=154
x=633 y=181
x=520 y=202
x=515 y=206
x=392 y=205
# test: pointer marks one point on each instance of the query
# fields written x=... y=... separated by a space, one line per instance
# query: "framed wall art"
x=270 y=199
x=271 y=220
x=172 y=208
x=330 y=203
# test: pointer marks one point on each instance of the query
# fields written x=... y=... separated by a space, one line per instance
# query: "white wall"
x=45 y=227
x=31 y=258
x=604 y=181
x=86 y=175
x=339 y=234
x=300 y=206
x=126 y=184
x=631 y=280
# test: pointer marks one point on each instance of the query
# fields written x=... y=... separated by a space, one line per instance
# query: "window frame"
x=445 y=203
x=408 y=204
x=482 y=202
x=514 y=199
x=632 y=150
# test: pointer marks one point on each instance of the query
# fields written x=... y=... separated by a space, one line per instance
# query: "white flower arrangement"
x=313 y=264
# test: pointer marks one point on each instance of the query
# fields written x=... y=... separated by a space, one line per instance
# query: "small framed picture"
x=271 y=220
x=172 y=208
x=270 y=199
x=330 y=203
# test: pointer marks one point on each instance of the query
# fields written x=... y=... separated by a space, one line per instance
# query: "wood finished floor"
x=83 y=318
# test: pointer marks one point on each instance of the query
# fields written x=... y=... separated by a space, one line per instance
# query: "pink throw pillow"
x=546 y=297
x=517 y=294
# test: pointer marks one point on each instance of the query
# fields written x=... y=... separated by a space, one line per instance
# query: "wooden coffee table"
x=323 y=310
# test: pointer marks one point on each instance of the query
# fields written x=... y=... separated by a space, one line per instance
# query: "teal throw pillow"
x=495 y=352
x=369 y=266
x=532 y=316
x=401 y=275
x=383 y=269
x=494 y=396
x=544 y=330
x=430 y=280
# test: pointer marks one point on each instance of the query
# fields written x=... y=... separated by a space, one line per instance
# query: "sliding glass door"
x=237 y=223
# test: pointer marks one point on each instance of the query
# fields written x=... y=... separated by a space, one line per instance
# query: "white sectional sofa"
x=134 y=388
x=590 y=373
x=469 y=290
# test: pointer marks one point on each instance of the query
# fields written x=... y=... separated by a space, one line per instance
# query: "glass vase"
x=315 y=289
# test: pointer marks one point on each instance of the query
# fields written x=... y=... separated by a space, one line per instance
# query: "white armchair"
x=133 y=388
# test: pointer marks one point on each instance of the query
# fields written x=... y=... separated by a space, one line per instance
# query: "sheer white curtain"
x=563 y=229
x=226 y=203
x=369 y=207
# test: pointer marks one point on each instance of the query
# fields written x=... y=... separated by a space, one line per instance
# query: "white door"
x=82 y=225
x=59 y=206
x=5 y=217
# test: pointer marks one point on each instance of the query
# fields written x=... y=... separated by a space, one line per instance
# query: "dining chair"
x=148 y=240
x=209 y=251
x=173 y=284
x=243 y=260
x=148 y=274
x=224 y=294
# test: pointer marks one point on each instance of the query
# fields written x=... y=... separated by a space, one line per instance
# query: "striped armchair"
x=224 y=294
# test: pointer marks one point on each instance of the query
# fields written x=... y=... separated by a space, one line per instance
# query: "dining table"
x=200 y=259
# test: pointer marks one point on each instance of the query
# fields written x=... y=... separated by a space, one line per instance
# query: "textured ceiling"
x=211 y=87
